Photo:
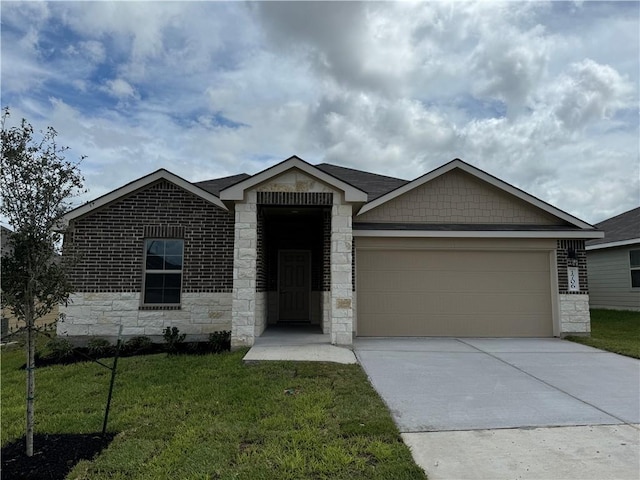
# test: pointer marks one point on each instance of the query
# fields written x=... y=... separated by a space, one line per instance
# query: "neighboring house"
x=614 y=263
x=456 y=252
x=9 y=323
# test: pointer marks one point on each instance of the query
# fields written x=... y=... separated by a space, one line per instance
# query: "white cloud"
x=543 y=95
x=589 y=92
x=120 y=89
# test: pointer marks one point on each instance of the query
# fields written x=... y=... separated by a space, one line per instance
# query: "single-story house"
x=614 y=263
x=455 y=252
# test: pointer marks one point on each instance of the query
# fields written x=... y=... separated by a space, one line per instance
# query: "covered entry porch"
x=292 y=252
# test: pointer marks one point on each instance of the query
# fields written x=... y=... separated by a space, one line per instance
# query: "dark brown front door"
x=294 y=285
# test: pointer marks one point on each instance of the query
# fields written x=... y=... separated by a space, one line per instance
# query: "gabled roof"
x=236 y=191
x=138 y=184
x=623 y=229
x=490 y=179
x=375 y=185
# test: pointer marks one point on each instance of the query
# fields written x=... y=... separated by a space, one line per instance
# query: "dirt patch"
x=54 y=456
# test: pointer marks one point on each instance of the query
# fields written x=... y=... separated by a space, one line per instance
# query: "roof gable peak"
x=236 y=192
x=160 y=174
x=483 y=176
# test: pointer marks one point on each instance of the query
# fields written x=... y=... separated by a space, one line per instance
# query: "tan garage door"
x=453 y=293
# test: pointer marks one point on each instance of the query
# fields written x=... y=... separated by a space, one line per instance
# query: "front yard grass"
x=211 y=416
x=617 y=331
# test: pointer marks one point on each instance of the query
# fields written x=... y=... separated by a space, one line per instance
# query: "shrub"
x=137 y=345
x=60 y=349
x=173 y=339
x=99 y=347
x=220 y=341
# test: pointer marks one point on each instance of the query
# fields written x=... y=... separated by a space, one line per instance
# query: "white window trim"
x=145 y=271
x=632 y=269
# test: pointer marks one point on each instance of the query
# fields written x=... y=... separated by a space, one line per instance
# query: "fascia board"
x=496 y=182
x=236 y=192
x=477 y=234
x=138 y=184
x=621 y=243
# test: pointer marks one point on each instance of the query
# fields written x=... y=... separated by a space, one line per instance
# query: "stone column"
x=244 y=273
x=341 y=274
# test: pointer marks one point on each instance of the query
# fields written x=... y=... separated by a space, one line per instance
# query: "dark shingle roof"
x=375 y=185
x=214 y=186
x=625 y=226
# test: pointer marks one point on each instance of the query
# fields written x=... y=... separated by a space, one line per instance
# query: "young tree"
x=37 y=185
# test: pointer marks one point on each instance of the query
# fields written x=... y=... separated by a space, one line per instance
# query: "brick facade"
x=576 y=250
x=109 y=243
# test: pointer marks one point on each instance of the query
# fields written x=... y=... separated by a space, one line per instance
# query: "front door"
x=294 y=285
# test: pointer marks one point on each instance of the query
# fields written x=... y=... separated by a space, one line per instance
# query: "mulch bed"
x=54 y=456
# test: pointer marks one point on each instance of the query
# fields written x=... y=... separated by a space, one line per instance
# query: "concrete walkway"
x=299 y=343
x=477 y=408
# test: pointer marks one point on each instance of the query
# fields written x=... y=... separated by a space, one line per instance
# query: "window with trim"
x=163 y=271
x=634 y=263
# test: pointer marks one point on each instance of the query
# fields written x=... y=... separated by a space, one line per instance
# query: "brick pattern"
x=563 y=261
x=261 y=260
x=295 y=198
x=118 y=231
x=457 y=197
x=326 y=251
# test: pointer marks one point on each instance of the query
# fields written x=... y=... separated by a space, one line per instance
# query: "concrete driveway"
x=491 y=408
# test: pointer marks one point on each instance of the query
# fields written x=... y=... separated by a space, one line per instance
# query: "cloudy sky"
x=542 y=95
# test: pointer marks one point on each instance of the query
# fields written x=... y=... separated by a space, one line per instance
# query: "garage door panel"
x=462 y=282
x=461 y=261
x=450 y=303
x=456 y=326
x=453 y=293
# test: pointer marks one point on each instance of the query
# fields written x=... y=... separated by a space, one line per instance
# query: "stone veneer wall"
x=573 y=307
x=341 y=275
x=99 y=314
x=109 y=245
x=244 y=311
x=249 y=310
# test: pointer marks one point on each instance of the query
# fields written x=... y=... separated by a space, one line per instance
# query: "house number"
x=574 y=282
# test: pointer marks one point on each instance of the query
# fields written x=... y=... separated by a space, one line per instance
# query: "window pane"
x=154 y=280
x=173 y=247
x=154 y=262
x=173 y=262
x=172 y=280
x=153 y=295
x=634 y=258
x=155 y=247
x=161 y=287
x=172 y=295
x=635 y=278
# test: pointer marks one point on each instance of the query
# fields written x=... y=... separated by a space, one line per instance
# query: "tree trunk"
x=31 y=349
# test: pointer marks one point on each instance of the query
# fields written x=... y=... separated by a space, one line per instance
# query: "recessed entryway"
x=294 y=286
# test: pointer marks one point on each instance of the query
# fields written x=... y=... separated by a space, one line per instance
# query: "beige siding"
x=610 y=279
x=417 y=287
x=457 y=197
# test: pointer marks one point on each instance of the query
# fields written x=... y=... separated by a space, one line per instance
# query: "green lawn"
x=617 y=331
x=201 y=417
